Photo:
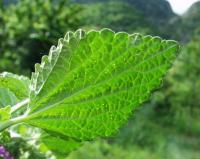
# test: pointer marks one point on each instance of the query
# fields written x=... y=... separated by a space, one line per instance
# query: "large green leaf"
x=91 y=82
x=19 y=85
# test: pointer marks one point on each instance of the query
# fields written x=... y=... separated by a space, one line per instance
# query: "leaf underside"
x=91 y=82
x=13 y=88
x=7 y=98
x=18 y=85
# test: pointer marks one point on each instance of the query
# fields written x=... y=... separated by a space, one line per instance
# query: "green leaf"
x=19 y=85
x=5 y=113
x=7 y=98
x=91 y=82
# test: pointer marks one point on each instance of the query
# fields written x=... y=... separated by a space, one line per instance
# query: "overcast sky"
x=180 y=6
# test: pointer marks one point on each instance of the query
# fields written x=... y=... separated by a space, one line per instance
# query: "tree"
x=29 y=28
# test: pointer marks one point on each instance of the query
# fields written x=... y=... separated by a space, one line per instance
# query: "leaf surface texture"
x=91 y=82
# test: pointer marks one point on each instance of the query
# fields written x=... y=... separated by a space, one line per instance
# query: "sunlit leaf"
x=91 y=82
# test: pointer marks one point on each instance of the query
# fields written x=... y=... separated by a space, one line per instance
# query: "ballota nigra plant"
x=87 y=87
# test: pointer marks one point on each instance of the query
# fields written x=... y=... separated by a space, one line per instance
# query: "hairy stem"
x=19 y=105
x=6 y=124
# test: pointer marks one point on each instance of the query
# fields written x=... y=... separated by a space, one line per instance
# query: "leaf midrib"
x=88 y=101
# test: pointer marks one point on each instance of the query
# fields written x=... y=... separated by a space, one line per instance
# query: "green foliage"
x=148 y=16
x=158 y=11
x=186 y=96
x=101 y=149
x=105 y=76
x=167 y=127
x=19 y=147
x=118 y=16
x=29 y=28
x=188 y=24
x=190 y=21
x=60 y=147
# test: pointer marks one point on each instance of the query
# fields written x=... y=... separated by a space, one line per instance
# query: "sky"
x=180 y=6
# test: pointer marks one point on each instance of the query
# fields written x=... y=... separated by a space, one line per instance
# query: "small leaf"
x=19 y=85
x=5 y=113
x=91 y=82
x=7 y=98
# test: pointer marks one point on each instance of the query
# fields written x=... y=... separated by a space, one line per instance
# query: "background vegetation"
x=168 y=126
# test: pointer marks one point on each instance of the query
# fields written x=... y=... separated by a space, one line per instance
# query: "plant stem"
x=19 y=105
x=6 y=124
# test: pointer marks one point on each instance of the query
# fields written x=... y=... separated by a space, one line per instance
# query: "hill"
x=158 y=11
x=191 y=20
x=186 y=25
x=118 y=16
x=148 y=15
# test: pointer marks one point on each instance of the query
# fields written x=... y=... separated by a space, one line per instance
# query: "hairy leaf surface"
x=91 y=82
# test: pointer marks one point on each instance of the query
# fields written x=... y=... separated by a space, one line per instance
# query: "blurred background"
x=166 y=127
